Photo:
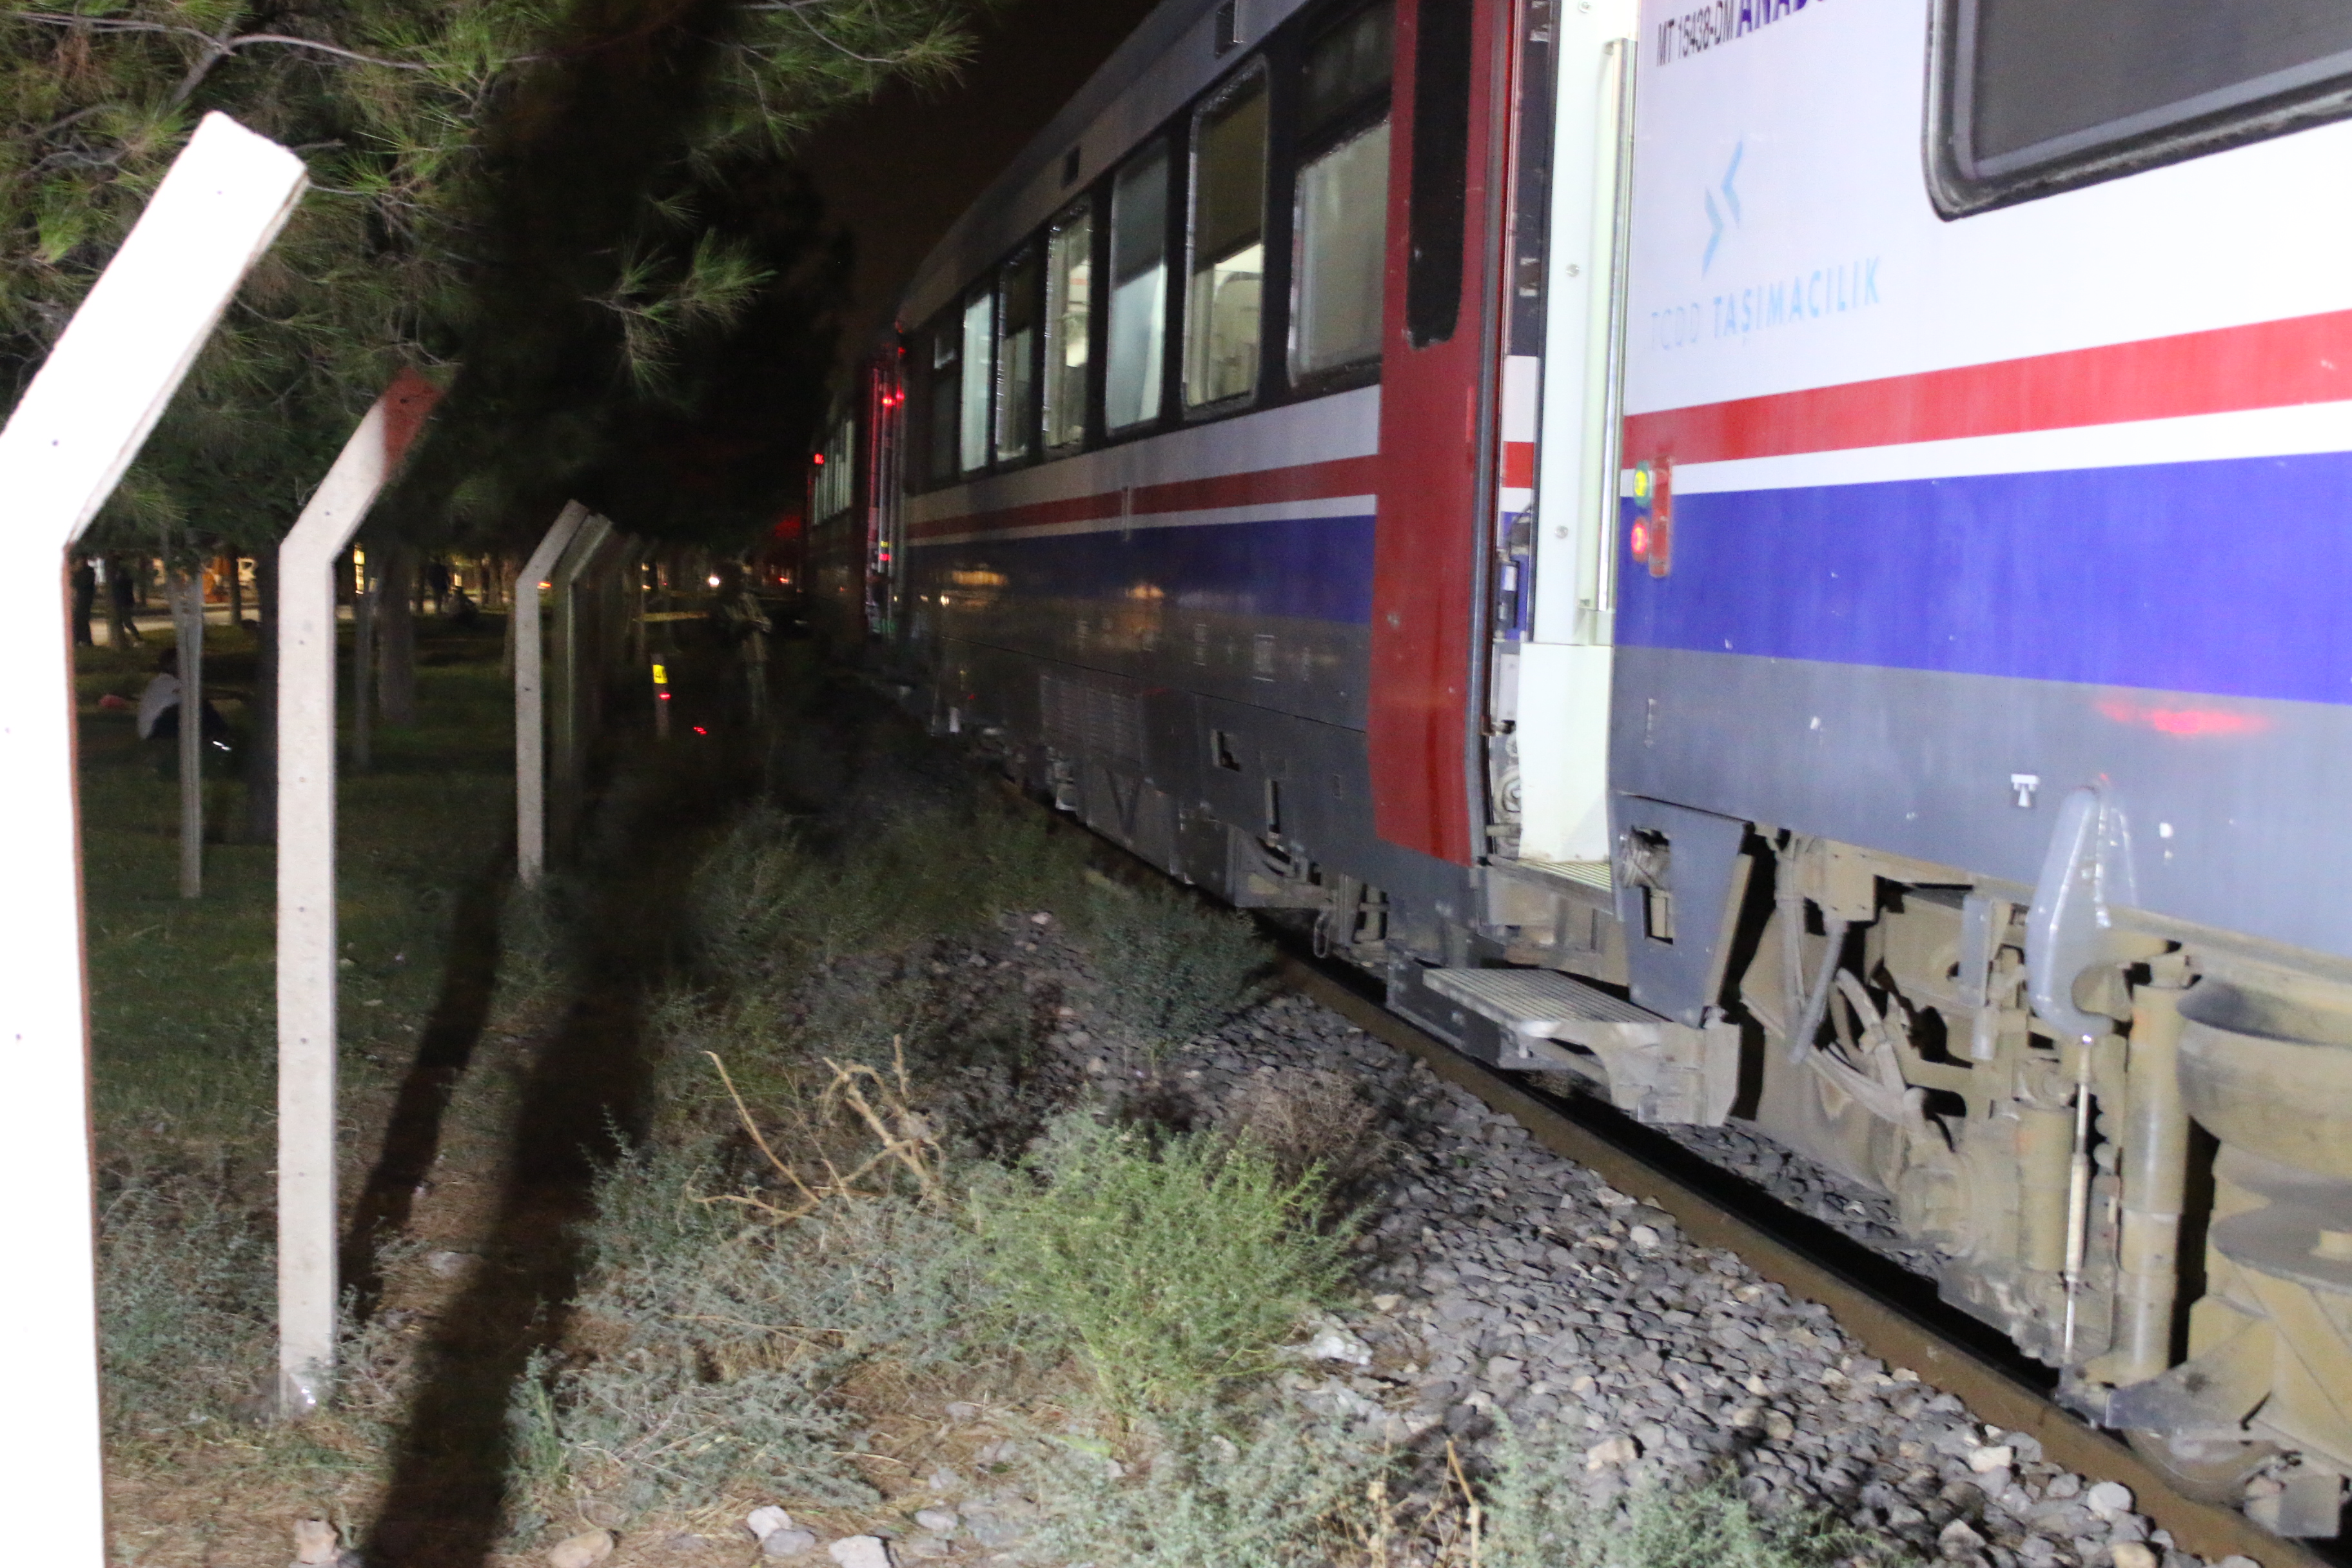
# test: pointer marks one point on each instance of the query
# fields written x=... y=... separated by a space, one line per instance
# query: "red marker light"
x=818 y=460
x=1641 y=542
x=701 y=730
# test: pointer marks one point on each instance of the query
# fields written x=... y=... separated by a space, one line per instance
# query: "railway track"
x=1875 y=1302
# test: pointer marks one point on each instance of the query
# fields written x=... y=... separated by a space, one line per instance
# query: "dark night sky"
x=897 y=171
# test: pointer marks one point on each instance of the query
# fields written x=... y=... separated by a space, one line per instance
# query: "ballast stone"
x=1333 y=1342
x=581 y=1551
x=1958 y=1540
x=860 y=1552
x=2108 y=1499
x=314 y=1541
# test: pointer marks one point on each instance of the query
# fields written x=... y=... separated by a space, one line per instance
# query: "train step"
x=1542 y=1003
x=1660 y=1070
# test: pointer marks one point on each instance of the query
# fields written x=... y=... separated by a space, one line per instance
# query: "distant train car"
x=853 y=494
x=1785 y=560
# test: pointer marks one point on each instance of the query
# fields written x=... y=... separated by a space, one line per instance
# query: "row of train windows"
x=834 y=484
x=1010 y=372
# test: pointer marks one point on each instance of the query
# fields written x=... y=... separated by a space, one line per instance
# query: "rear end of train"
x=1780 y=560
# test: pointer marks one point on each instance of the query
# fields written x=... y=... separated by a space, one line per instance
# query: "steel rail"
x=1883 y=1324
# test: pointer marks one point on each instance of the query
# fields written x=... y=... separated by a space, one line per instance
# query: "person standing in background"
x=85 y=598
x=121 y=595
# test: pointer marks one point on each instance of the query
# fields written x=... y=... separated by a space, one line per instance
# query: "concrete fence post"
x=530 y=697
x=307 y=1002
x=74 y=431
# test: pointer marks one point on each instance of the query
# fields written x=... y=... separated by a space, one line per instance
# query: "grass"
x=720 y=1348
x=1201 y=1491
x=1296 y=1491
x=1176 y=970
x=741 y=1304
x=185 y=1282
x=784 y=895
x=1274 y=1485
x=1174 y=1270
x=184 y=1074
x=181 y=991
x=1533 y=1516
x=796 y=1256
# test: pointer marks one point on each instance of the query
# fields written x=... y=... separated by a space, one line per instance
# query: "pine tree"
x=531 y=201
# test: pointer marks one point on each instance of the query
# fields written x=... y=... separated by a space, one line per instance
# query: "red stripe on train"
x=1306 y=481
x=1302 y=481
x=1078 y=509
x=2271 y=364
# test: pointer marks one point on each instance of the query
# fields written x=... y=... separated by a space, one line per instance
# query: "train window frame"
x=1367 y=110
x=1166 y=148
x=1960 y=184
x=976 y=318
x=1004 y=415
x=834 y=494
x=943 y=330
x=1252 y=76
x=1057 y=333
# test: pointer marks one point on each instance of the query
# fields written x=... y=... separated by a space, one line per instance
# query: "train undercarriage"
x=2153 y=1206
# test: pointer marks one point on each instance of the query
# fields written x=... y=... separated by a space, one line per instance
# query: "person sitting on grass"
x=159 y=712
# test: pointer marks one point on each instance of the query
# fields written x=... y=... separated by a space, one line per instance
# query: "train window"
x=1228 y=232
x=1441 y=153
x=1069 y=288
x=971 y=442
x=1341 y=211
x=942 y=390
x=1139 y=289
x=1018 y=303
x=2037 y=96
x=835 y=479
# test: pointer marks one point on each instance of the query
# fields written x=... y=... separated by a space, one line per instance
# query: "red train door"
x=1437 y=410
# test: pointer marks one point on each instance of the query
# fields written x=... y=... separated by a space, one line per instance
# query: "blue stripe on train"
x=1313 y=568
x=2234 y=578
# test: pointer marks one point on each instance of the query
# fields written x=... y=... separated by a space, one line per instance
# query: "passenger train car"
x=1786 y=560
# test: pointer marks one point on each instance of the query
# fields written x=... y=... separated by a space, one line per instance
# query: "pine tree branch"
x=215 y=48
x=826 y=38
x=292 y=42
